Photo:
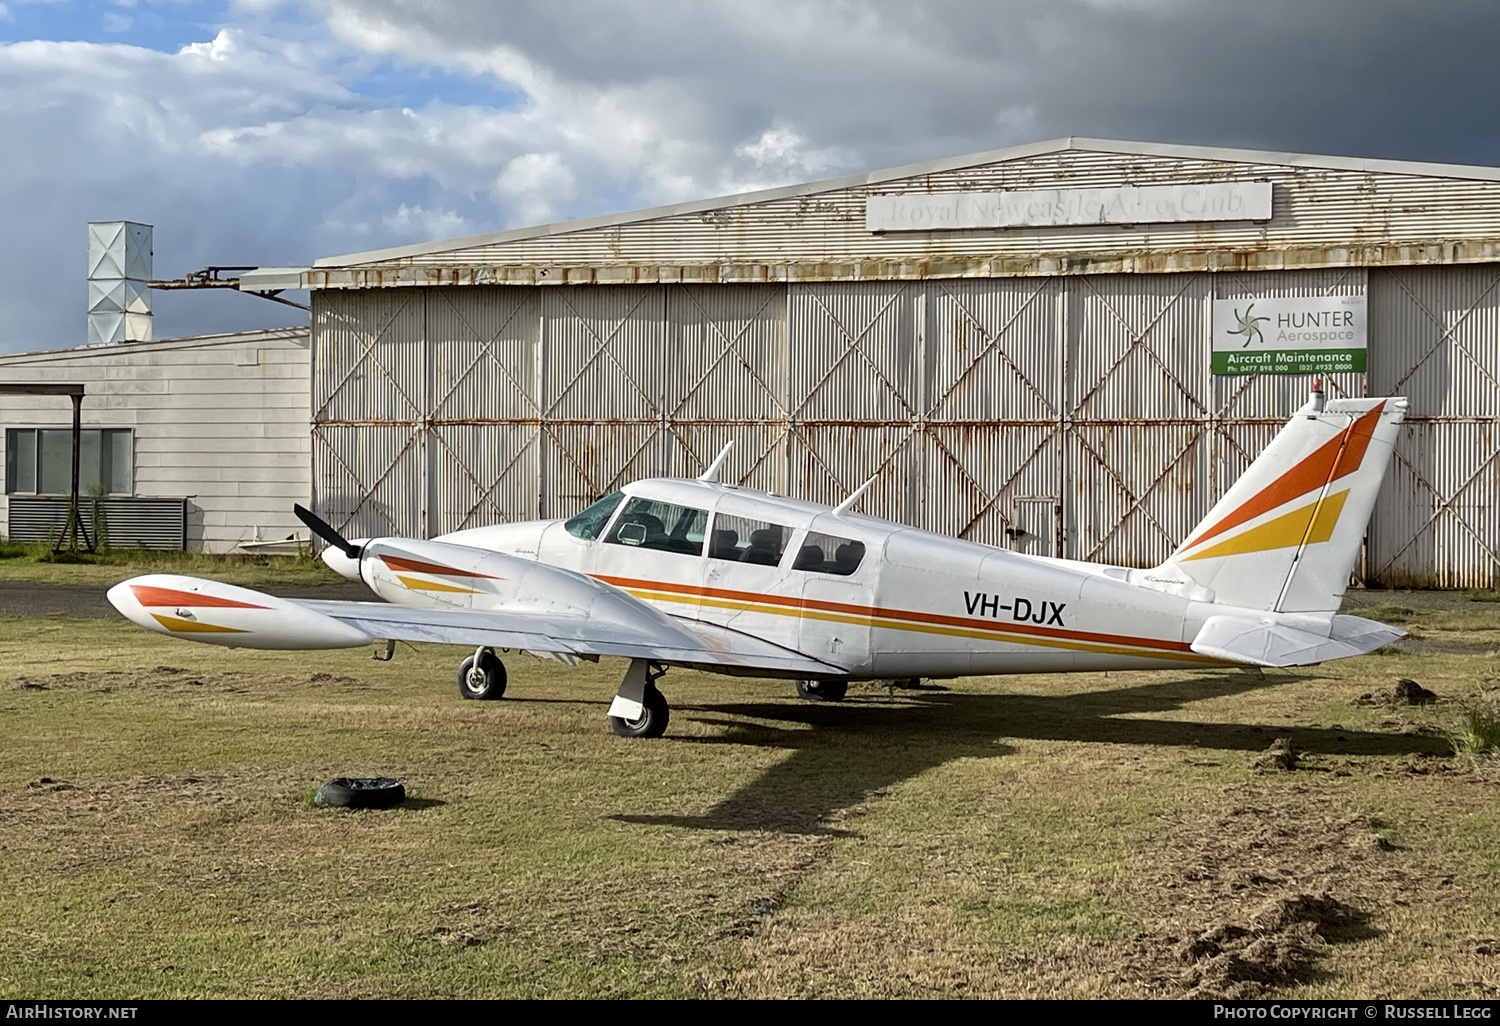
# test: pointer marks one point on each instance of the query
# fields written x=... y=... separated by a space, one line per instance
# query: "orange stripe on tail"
x=1338 y=457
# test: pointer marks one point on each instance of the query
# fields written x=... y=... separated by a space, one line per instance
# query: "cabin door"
x=835 y=624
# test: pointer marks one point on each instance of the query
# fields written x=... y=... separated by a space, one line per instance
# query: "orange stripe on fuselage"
x=1338 y=457
x=420 y=567
x=908 y=615
x=147 y=595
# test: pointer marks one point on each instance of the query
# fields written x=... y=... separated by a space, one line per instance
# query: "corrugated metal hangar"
x=1041 y=347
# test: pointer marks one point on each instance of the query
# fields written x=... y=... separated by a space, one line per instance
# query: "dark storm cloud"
x=277 y=141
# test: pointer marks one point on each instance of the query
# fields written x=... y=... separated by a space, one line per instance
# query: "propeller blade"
x=320 y=527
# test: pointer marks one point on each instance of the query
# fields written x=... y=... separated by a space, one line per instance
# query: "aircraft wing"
x=615 y=625
x=707 y=645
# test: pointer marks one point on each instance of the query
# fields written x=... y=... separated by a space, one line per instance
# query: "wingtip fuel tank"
x=223 y=614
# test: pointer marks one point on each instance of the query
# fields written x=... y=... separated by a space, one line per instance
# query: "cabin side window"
x=829 y=554
x=648 y=524
x=591 y=521
x=743 y=540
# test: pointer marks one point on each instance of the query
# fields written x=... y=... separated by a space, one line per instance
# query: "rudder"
x=1285 y=537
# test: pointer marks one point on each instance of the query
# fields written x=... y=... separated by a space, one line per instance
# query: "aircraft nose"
x=340 y=563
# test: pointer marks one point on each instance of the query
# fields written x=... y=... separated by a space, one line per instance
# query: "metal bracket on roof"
x=208 y=278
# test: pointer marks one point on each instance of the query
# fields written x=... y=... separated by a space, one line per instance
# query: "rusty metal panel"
x=993 y=376
x=995 y=484
x=1136 y=447
x=979 y=406
x=991 y=351
x=370 y=359
x=759 y=458
x=1435 y=523
x=826 y=462
x=483 y=345
x=606 y=354
x=1439 y=333
x=1136 y=490
x=854 y=352
x=484 y=474
x=1437 y=341
x=728 y=356
x=367 y=477
x=1137 y=347
x=584 y=461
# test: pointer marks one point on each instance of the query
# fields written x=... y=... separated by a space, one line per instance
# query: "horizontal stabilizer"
x=1261 y=643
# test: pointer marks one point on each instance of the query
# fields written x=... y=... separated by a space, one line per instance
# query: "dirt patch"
x=1281 y=757
x=1406 y=692
x=1280 y=944
x=467 y=925
x=176 y=678
x=1259 y=895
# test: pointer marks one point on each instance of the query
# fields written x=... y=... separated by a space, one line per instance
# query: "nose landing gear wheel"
x=823 y=690
x=652 y=721
x=482 y=676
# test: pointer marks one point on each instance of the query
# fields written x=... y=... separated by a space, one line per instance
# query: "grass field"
x=1088 y=835
x=37 y=563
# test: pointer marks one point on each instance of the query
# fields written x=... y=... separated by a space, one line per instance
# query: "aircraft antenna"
x=711 y=475
x=848 y=503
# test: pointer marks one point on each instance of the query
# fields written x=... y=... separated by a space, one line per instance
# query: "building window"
x=39 y=461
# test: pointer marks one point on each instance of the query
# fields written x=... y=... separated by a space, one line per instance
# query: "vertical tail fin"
x=1286 y=536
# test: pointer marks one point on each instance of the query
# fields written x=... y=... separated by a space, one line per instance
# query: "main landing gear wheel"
x=482 y=676
x=653 y=719
x=823 y=690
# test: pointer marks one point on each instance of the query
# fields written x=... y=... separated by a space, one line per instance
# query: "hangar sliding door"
x=1072 y=415
x=1437 y=341
x=368 y=394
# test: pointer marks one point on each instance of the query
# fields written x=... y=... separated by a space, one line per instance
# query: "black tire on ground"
x=653 y=721
x=488 y=683
x=823 y=690
x=361 y=793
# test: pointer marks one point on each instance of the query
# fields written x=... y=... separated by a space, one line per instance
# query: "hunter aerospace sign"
x=1290 y=335
x=1126 y=204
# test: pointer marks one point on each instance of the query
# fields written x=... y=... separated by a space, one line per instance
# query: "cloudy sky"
x=271 y=133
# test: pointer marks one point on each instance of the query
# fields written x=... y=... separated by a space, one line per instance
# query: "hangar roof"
x=1326 y=211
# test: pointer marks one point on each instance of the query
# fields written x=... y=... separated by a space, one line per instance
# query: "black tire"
x=823 y=690
x=361 y=793
x=653 y=721
x=488 y=684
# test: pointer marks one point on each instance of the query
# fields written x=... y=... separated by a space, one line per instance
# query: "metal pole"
x=74 y=526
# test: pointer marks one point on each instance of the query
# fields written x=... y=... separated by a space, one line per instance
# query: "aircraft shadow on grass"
x=855 y=750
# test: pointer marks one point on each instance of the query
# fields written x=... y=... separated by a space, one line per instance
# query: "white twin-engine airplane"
x=697 y=573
